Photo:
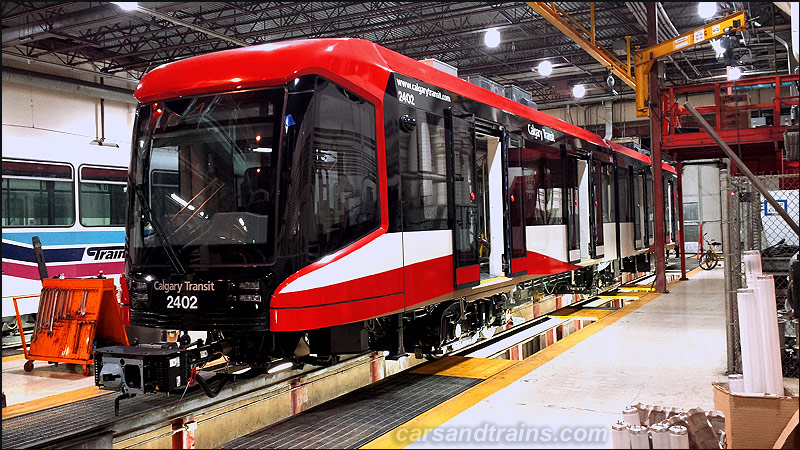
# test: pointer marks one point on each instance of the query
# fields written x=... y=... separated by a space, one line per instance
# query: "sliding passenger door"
x=516 y=180
x=581 y=243
x=462 y=203
x=637 y=182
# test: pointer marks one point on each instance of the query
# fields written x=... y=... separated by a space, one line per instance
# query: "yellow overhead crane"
x=643 y=58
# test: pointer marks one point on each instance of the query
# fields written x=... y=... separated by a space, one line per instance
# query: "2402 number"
x=181 y=302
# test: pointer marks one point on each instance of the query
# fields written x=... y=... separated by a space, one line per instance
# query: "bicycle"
x=709 y=259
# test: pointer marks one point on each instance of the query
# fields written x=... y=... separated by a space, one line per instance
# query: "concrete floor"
x=43 y=381
x=667 y=352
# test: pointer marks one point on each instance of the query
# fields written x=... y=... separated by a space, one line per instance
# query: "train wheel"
x=28 y=366
x=434 y=356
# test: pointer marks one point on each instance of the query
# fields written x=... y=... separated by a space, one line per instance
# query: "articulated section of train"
x=305 y=199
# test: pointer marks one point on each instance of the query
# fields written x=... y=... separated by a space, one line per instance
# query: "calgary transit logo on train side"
x=543 y=133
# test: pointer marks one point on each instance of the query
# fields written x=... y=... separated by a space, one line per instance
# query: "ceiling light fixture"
x=127 y=6
x=545 y=68
x=706 y=10
x=492 y=38
x=734 y=73
x=579 y=91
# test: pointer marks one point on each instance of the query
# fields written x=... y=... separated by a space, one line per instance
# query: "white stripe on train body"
x=379 y=255
x=421 y=246
x=548 y=240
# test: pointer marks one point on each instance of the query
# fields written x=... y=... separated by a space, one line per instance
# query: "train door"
x=584 y=209
x=599 y=204
x=462 y=198
x=638 y=208
x=489 y=187
x=517 y=187
x=649 y=207
x=579 y=209
x=668 y=205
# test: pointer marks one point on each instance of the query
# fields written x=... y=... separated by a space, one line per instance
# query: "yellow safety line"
x=427 y=421
x=495 y=279
x=619 y=297
x=465 y=367
x=13 y=357
x=53 y=401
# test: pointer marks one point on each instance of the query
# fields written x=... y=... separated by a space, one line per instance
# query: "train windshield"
x=204 y=174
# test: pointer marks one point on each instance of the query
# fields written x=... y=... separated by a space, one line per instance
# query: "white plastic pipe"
x=752 y=369
x=639 y=437
x=752 y=266
x=631 y=416
x=736 y=383
x=769 y=344
x=795 y=30
x=621 y=435
x=659 y=435
x=678 y=437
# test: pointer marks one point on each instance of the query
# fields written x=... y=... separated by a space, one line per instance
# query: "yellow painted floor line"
x=13 y=357
x=52 y=401
x=465 y=367
x=427 y=421
x=582 y=313
x=619 y=297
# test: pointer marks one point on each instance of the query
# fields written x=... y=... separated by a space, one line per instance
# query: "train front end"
x=233 y=189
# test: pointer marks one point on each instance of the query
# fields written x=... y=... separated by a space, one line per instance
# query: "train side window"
x=424 y=172
x=544 y=174
x=623 y=192
x=607 y=180
x=38 y=194
x=344 y=168
x=102 y=196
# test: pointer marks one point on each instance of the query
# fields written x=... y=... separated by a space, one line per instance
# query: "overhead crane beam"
x=644 y=59
x=584 y=38
x=637 y=79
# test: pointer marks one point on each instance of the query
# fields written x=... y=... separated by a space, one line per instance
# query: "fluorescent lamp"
x=263 y=149
x=545 y=68
x=492 y=38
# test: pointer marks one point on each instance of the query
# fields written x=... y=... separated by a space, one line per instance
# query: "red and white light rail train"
x=303 y=199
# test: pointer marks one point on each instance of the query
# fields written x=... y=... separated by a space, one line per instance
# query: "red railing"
x=675 y=127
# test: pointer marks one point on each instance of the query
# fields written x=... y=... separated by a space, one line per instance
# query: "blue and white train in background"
x=73 y=198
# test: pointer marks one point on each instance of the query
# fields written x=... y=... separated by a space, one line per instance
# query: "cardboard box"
x=754 y=421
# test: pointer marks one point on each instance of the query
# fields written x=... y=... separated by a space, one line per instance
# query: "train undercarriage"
x=431 y=331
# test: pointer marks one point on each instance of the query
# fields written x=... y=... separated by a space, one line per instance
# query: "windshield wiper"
x=165 y=244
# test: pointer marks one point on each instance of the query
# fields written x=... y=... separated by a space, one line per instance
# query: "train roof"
x=361 y=65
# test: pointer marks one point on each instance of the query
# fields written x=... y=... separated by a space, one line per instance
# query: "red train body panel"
x=382 y=273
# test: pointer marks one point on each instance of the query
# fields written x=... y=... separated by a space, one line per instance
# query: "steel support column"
x=679 y=207
x=655 y=150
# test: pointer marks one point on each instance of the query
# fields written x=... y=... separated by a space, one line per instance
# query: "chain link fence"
x=752 y=224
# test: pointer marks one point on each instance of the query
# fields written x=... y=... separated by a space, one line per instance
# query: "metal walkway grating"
x=49 y=426
x=359 y=417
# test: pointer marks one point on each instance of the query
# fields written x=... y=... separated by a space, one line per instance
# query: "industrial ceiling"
x=104 y=38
